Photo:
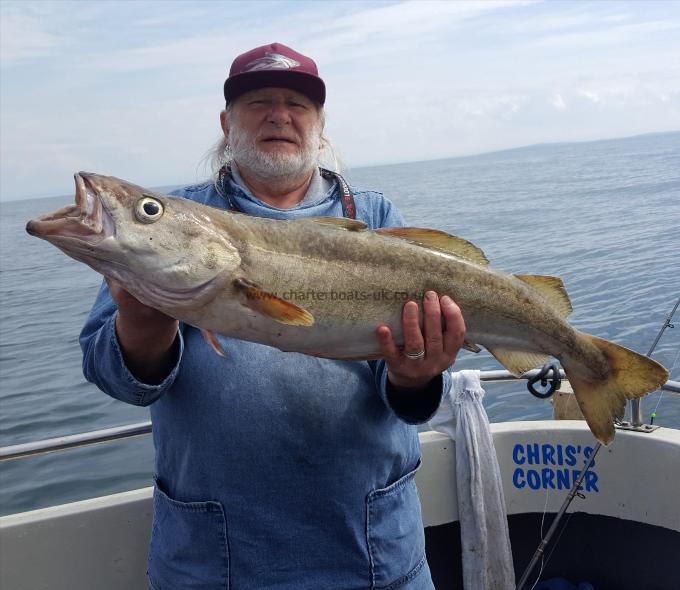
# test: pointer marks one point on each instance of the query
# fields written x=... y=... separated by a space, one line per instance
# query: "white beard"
x=274 y=165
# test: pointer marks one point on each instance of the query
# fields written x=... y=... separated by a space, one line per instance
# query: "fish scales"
x=323 y=286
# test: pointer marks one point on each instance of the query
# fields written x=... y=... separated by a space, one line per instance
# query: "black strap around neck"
x=346 y=198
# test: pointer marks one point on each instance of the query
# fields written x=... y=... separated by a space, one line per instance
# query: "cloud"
x=593 y=97
x=344 y=36
x=25 y=35
x=157 y=143
x=201 y=49
x=413 y=18
x=615 y=34
x=134 y=91
x=558 y=102
x=371 y=34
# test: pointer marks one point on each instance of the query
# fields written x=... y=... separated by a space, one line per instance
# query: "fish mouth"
x=87 y=220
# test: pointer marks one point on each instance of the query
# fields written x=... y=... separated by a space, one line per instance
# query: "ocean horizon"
x=602 y=215
x=348 y=169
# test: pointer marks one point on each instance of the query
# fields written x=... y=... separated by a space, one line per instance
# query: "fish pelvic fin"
x=471 y=346
x=518 y=361
x=630 y=376
x=551 y=289
x=213 y=342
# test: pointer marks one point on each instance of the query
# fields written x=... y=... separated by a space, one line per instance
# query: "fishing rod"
x=555 y=523
x=540 y=550
x=635 y=409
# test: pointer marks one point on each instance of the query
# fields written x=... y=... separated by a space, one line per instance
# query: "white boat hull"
x=102 y=543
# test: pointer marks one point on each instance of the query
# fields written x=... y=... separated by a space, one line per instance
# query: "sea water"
x=602 y=215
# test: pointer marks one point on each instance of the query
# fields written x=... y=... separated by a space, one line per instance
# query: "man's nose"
x=279 y=114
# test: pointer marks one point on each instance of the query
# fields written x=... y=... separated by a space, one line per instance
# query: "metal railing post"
x=635 y=405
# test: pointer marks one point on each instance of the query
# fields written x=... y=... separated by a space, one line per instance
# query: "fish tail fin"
x=603 y=398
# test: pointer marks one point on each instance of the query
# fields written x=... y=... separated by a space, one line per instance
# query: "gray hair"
x=220 y=153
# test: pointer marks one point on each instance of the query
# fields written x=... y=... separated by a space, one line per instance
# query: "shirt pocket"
x=396 y=539
x=189 y=547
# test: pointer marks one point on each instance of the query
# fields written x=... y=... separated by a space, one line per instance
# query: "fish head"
x=167 y=251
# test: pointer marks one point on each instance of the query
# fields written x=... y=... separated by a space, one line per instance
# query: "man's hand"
x=146 y=336
x=440 y=347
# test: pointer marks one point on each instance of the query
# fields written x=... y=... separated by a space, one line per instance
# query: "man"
x=278 y=470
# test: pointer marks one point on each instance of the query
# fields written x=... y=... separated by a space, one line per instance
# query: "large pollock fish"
x=321 y=286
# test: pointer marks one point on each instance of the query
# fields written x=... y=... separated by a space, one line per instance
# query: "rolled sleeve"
x=412 y=408
x=103 y=362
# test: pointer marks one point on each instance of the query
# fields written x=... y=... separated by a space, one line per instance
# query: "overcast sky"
x=134 y=89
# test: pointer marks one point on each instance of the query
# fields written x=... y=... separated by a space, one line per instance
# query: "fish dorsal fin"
x=339 y=222
x=272 y=306
x=518 y=361
x=551 y=289
x=437 y=240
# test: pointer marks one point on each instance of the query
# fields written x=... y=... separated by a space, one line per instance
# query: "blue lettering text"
x=591 y=481
x=518 y=478
x=548 y=454
x=532 y=454
x=563 y=482
x=548 y=475
x=518 y=454
x=533 y=479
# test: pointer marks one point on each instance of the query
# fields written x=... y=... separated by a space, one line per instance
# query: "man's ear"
x=224 y=123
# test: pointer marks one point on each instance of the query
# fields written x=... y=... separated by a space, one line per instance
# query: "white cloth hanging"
x=487 y=558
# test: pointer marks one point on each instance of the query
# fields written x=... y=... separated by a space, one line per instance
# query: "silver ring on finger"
x=414 y=356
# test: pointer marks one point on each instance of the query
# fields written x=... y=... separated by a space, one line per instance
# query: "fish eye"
x=149 y=209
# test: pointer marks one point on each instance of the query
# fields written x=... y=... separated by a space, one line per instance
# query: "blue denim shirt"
x=273 y=469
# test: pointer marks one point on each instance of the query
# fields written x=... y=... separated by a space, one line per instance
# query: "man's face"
x=274 y=132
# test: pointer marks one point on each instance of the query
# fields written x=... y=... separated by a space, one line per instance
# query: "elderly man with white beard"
x=274 y=469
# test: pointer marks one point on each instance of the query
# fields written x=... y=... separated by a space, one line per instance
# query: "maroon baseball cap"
x=274 y=65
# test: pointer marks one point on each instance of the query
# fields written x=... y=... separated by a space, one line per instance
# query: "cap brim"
x=309 y=85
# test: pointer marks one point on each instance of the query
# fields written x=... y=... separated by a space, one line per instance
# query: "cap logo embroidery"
x=271 y=61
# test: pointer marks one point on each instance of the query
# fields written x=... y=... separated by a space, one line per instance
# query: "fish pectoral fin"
x=551 y=289
x=437 y=240
x=518 y=361
x=339 y=222
x=272 y=305
x=471 y=347
x=214 y=343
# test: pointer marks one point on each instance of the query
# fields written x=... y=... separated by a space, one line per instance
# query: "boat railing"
x=71 y=441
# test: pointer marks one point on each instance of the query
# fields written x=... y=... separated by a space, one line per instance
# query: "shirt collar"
x=319 y=189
